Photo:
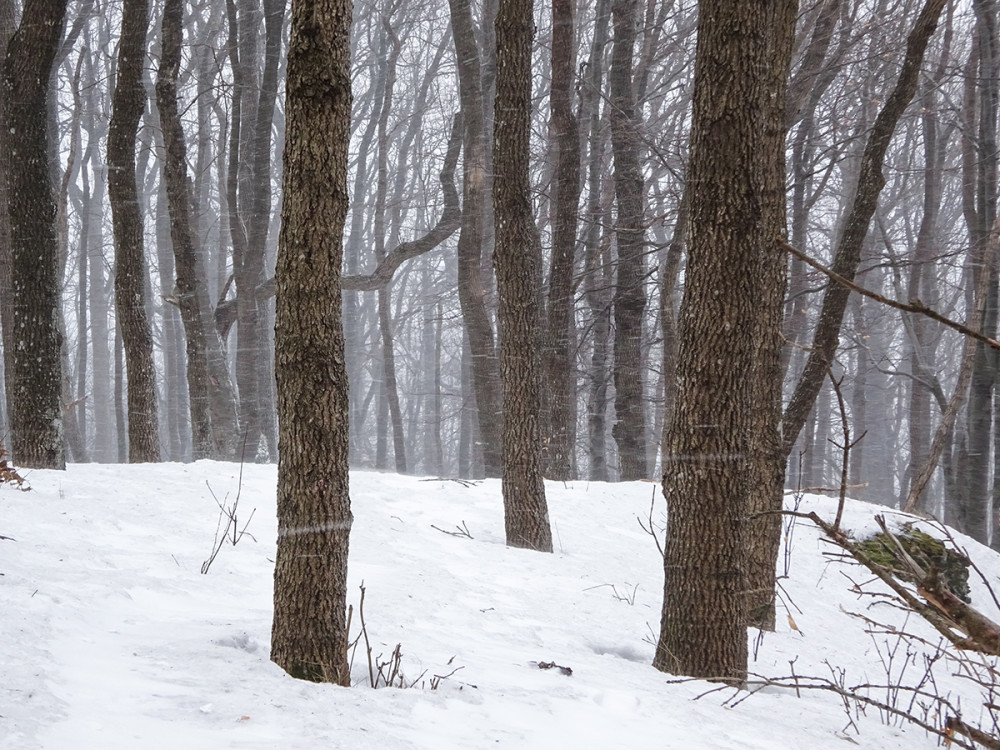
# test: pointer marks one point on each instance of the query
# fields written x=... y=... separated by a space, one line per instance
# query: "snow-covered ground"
x=111 y=637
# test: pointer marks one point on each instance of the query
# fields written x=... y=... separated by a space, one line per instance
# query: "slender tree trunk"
x=766 y=459
x=526 y=514
x=213 y=408
x=130 y=270
x=597 y=256
x=980 y=212
x=472 y=239
x=565 y=138
x=629 y=430
x=309 y=636
x=8 y=23
x=389 y=398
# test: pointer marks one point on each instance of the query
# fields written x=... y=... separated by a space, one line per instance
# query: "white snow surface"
x=110 y=636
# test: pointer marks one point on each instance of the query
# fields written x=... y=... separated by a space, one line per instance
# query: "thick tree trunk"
x=526 y=514
x=34 y=374
x=309 y=636
x=130 y=271
x=712 y=438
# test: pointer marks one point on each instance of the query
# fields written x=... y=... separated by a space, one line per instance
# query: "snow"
x=112 y=638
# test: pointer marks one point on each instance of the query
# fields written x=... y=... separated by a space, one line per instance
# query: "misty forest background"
x=612 y=81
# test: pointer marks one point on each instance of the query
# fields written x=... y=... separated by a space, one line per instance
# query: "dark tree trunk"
x=34 y=374
x=309 y=636
x=766 y=459
x=130 y=270
x=526 y=514
x=730 y=258
x=629 y=430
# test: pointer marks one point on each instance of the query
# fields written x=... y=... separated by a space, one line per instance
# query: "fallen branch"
x=943 y=610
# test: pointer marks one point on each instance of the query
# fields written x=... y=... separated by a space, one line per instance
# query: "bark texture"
x=309 y=636
x=766 y=465
x=526 y=514
x=130 y=272
x=703 y=629
x=33 y=395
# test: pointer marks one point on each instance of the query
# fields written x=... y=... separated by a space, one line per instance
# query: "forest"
x=141 y=167
x=419 y=312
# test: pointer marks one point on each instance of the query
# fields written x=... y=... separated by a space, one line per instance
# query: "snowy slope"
x=112 y=638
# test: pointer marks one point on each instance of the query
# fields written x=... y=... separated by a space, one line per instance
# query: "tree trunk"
x=629 y=430
x=8 y=23
x=472 y=239
x=213 y=409
x=565 y=139
x=309 y=636
x=33 y=389
x=710 y=441
x=526 y=514
x=130 y=270
x=766 y=459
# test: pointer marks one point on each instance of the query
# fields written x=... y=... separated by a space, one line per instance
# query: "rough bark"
x=703 y=629
x=130 y=271
x=526 y=514
x=309 y=636
x=766 y=460
x=33 y=390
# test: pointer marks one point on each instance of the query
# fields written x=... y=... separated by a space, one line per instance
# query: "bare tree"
x=309 y=636
x=130 y=270
x=34 y=375
x=213 y=407
x=517 y=265
x=630 y=293
x=730 y=258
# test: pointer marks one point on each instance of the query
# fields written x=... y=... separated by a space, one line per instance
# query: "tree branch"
x=914 y=306
x=451 y=219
